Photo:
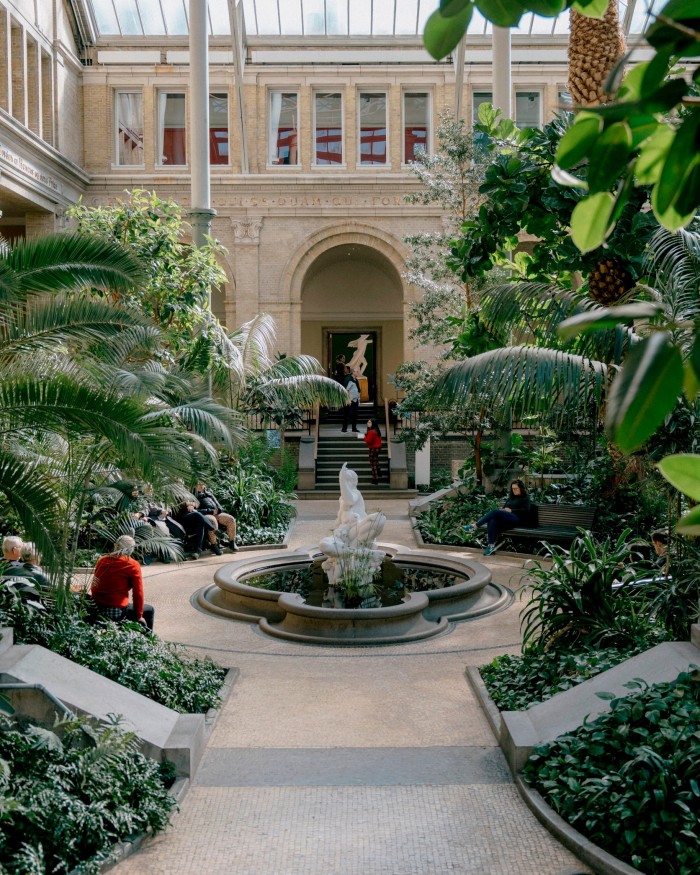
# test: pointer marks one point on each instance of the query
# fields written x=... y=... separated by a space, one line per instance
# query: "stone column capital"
x=247 y=230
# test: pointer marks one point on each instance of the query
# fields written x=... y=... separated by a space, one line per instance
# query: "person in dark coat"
x=516 y=511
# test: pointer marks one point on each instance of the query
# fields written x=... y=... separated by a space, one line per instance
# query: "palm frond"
x=33 y=496
x=62 y=262
x=303 y=390
x=104 y=330
x=206 y=419
x=255 y=341
x=524 y=379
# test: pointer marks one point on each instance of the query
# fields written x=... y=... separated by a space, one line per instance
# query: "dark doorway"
x=360 y=347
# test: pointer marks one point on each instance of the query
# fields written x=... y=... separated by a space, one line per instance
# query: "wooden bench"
x=555 y=522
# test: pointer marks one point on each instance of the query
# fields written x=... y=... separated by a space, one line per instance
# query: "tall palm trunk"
x=595 y=46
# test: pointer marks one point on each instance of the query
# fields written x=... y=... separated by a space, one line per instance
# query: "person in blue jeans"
x=516 y=511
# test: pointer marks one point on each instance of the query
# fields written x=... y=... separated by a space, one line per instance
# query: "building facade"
x=309 y=149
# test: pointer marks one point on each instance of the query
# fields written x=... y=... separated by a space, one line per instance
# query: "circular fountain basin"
x=419 y=615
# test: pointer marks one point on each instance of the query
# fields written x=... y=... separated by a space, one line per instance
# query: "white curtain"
x=275 y=111
x=130 y=128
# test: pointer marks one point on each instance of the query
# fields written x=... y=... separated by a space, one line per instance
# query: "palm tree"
x=80 y=391
x=253 y=379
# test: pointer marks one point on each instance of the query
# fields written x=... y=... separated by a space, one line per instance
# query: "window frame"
x=268 y=145
x=417 y=89
x=219 y=92
x=386 y=164
x=160 y=164
x=116 y=164
x=531 y=90
x=342 y=164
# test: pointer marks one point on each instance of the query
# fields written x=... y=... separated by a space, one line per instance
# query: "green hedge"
x=630 y=780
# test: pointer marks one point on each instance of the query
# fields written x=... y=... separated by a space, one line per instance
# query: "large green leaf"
x=682 y=155
x=442 y=35
x=592 y=8
x=689 y=523
x=608 y=156
x=503 y=13
x=608 y=317
x=644 y=392
x=652 y=155
x=590 y=220
x=578 y=140
x=683 y=472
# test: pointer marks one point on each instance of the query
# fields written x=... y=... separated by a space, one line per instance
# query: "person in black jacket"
x=212 y=510
x=516 y=511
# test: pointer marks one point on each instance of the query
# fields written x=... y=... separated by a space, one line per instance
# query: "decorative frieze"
x=247 y=230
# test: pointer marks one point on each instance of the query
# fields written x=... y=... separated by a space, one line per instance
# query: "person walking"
x=351 y=408
x=373 y=439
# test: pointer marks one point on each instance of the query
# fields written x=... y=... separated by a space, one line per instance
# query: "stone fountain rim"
x=227 y=577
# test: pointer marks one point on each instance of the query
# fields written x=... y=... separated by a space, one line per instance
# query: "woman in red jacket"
x=373 y=439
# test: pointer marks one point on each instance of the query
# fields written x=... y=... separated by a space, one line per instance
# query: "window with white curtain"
x=282 y=140
x=129 y=128
x=172 y=129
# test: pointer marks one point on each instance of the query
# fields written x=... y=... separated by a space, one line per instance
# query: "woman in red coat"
x=373 y=439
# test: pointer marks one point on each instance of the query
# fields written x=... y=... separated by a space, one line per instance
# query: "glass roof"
x=301 y=18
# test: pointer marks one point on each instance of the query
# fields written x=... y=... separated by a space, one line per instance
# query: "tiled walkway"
x=339 y=761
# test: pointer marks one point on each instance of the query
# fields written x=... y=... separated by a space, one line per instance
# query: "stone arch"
x=339 y=235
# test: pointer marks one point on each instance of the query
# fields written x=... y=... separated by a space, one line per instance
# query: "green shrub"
x=68 y=795
x=444 y=520
x=516 y=682
x=630 y=780
x=125 y=654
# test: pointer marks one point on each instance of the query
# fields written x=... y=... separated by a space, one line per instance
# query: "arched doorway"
x=352 y=302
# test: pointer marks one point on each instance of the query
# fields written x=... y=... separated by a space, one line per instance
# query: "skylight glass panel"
x=105 y=16
x=337 y=17
x=360 y=17
x=524 y=25
x=641 y=19
x=314 y=17
x=218 y=17
x=427 y=7
x=290 y=16
x=406 y=16
x=129 y=21
x=268 y=20
x=383 y=18
x=561 y=23
x=152 y=17
x=540 y=24
x=175 y=17
x=477 y=25
x=251 y=22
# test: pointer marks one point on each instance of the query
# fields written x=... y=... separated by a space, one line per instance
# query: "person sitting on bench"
x=116 y=575
x=516 y=511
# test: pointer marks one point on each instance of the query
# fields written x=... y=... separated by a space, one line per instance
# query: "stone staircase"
x=334 y=448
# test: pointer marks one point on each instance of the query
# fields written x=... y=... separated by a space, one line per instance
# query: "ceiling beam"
x=235 y=12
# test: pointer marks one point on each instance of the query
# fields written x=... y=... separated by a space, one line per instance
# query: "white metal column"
x=502 y=77
x=201 y=212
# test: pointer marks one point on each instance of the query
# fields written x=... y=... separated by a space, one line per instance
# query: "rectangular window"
x=129 y=127
x=218 y=129
x=416 y=125
x=372 y=118
x=172 y=131
x=479 y=97
x=283 y=147
x=527 y=109
x=328 y=128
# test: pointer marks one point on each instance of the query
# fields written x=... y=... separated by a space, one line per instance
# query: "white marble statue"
x=352 y=557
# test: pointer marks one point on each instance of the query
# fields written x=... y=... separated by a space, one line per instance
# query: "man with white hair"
x=116 y=575
x=11 y=547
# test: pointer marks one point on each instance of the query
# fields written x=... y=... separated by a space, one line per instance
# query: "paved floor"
x=340 y=761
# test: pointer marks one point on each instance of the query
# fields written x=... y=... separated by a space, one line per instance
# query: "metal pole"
x=201 y=212
x=502 y=79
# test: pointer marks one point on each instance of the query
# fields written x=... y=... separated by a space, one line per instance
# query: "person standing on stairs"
x=373 y=439
x=351 y=408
